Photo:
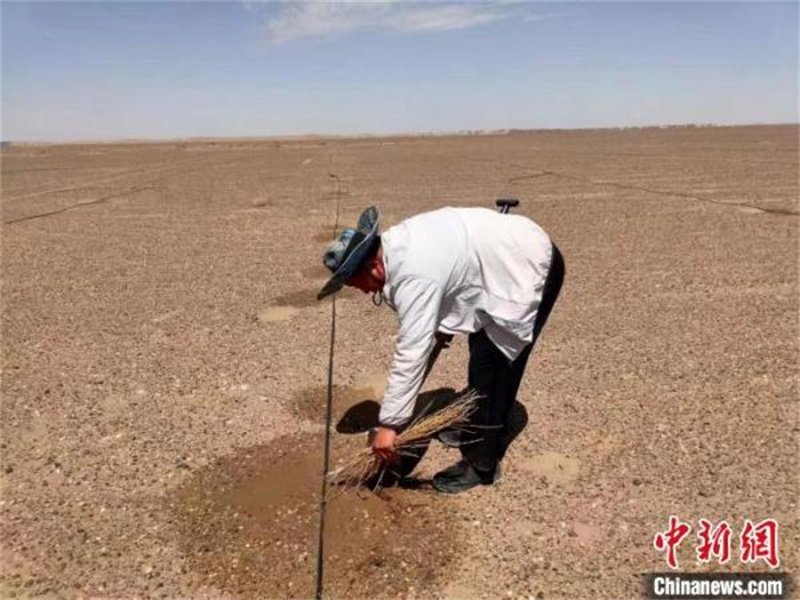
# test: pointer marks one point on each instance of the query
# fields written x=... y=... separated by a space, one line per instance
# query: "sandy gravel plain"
x=164 y=364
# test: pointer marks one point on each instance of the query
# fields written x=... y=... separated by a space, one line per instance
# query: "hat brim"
x=368 y=228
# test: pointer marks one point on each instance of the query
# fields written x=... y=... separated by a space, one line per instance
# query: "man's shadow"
x=363 y=417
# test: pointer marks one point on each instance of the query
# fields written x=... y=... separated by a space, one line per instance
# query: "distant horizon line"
x=355 y=136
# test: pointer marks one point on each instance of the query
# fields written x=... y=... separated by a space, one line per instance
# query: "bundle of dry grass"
x=363 y=466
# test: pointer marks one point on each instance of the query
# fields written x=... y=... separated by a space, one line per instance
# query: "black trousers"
x=497 y=380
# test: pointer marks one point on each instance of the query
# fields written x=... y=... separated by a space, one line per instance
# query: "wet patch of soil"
x=248 y=525
x=355 y=409
x=309 y=403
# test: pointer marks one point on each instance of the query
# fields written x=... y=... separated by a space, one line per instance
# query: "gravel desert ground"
x=164 y=364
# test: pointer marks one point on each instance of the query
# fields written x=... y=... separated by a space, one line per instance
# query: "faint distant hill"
x=5 y=144
x=626 y=128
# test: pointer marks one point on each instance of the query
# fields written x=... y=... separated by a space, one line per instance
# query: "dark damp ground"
x=248 y=524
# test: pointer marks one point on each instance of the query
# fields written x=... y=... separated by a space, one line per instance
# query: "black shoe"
x=460 y=478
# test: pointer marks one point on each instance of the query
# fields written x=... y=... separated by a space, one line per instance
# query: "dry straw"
x=364 y=466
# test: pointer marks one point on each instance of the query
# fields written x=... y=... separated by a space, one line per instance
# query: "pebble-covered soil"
x=164 y=365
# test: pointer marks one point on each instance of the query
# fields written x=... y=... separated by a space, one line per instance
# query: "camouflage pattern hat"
x=346 y=255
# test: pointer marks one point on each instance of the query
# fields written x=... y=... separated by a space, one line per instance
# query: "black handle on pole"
x=506 y=204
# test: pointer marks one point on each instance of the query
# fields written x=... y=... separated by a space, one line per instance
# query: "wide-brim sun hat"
x=345 y=256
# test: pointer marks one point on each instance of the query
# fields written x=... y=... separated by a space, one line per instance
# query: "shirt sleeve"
x=417 y=303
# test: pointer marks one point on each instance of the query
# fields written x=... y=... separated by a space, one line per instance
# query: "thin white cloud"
x=448 y=17
x=535 y=18
x=297 y=19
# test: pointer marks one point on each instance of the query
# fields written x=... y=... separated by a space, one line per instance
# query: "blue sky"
x=106 y=70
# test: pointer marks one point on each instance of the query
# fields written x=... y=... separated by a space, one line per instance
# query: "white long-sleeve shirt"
x=459 y=270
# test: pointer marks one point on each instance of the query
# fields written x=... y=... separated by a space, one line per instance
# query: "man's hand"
x=383 y=444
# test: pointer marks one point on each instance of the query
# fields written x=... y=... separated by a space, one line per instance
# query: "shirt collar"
x=387 y=284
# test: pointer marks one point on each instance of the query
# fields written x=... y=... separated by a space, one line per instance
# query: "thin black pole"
x=326 y=460
x=323 y=502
